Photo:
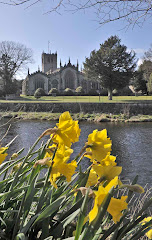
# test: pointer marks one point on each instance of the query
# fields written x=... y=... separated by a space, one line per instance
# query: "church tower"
x=49 y=62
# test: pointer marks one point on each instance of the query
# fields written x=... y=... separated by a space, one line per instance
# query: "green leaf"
x=3 y=196
x=58 y=230
x=31 y=191
x=26 y=227
x=82 y=183
x=48 y=238
x=82 y=216
x=139 y=233
x=71 y=210
x=2 y=221
x=20 y=236
x=70 y=218
x=48 y=211
x=130 y=226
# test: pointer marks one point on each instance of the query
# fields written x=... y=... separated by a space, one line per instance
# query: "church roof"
x=55 y=71
x=38 y=72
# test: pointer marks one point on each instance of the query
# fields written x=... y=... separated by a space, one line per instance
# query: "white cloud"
x=140 y=61
x=139 y=50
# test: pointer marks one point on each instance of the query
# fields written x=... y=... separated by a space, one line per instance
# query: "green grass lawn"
x=89 y=99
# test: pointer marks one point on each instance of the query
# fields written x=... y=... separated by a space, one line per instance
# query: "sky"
x=71 y=35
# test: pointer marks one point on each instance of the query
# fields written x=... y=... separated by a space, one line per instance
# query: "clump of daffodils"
x=67 y=202
x=104 y=171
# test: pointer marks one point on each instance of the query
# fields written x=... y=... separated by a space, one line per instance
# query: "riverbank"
x=95 y=117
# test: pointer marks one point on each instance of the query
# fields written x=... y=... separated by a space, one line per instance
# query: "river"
x=131 y=143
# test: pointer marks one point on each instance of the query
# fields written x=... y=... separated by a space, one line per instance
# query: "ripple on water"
x=131 y=142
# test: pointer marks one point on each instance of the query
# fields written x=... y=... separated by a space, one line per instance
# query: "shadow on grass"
x=36 y=100
x=136 y=101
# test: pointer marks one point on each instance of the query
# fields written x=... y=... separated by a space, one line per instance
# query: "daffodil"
x=67 y=131
x=107 y=172
x=3 y=154
x=115 y=206
x=59 y=165
x=149 y=233
x=109 y=160
x=92 y=179
x=99 y=144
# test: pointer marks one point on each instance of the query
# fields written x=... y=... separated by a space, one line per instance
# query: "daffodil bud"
x=14 y=155
x=134 y=188
x=42 y=162
x=83 y=191
x=49 y=132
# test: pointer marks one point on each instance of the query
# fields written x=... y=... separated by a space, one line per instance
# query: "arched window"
x=69 y=78
x=39 y=83
x=54 y=84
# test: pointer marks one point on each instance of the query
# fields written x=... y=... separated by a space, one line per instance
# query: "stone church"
x=67 y=76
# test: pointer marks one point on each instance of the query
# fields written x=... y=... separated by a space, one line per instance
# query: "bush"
x=53 y=90
x=122 y=92
x=39 y=93
x=68 y=92
x=93 y=92
x=79 y=91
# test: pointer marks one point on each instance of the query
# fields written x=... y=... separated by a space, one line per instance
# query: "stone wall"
x=114 y=108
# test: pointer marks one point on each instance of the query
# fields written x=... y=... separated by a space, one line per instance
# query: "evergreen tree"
x=7 y=67
x=139 y=82
x=112 y=65
x=146 y=68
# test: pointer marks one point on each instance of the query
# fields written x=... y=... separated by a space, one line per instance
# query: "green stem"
x=14 y=183
x=25 y=160
x=46 y=181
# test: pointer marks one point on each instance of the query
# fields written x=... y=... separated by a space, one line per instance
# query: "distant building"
x=67 y=76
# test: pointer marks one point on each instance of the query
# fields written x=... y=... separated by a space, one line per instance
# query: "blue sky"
x=71 y=35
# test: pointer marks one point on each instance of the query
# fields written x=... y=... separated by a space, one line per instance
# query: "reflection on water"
x=131 y=143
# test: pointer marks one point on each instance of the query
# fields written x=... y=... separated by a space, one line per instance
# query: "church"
x=67 y=76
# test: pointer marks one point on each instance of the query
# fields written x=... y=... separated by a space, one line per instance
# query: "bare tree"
x=133 y=11
x=13 y=58
x=18 y=54
x=148 y=54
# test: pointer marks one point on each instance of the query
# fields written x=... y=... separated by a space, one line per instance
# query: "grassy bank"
x=77 y=116
x=90 y=99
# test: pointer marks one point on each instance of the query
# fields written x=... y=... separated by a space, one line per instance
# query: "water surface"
x=131 y=143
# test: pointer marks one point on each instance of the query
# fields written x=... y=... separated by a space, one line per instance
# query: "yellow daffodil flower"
x=109 y=160
x=92 y=179
x=99 y=144
x=3 y=154
x=114 y=208
x=67 y=131
x=149 y=233
x=59 y=163
x=107 y=172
